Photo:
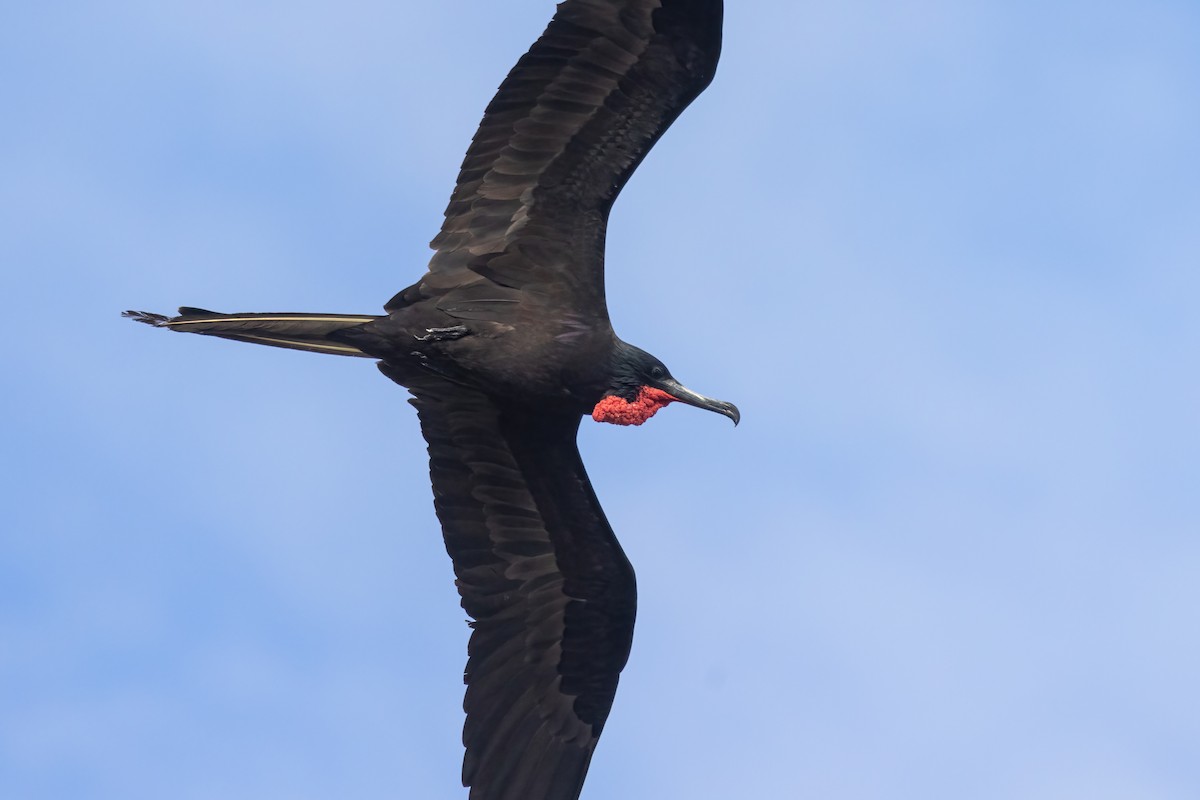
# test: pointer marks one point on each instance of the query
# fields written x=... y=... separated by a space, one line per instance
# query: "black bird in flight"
x=505 y=343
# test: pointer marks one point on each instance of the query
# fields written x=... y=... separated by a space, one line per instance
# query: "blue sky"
x=944 y=258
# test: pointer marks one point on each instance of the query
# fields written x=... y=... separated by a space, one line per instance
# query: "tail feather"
x=315 y=333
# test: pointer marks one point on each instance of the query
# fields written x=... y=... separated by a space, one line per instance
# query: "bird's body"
x=505 y=344
x=536 y=354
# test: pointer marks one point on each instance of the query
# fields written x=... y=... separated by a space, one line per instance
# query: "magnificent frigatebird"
x=505 y=343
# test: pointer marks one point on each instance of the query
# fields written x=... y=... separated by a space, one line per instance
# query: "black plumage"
x=505 y=344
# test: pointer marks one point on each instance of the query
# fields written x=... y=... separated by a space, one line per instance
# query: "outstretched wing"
x=566 y=129
x=550 y=590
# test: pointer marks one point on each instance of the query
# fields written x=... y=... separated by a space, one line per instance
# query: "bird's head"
x=641 y=385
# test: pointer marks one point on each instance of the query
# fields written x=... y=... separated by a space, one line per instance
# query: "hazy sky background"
x=945 y=256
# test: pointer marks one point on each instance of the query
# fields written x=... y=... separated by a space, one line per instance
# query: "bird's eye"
x=657 y=372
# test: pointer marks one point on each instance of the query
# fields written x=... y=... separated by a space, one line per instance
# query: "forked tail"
x=315 y=333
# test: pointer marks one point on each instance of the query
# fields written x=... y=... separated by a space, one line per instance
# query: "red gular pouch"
x=620 y=411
